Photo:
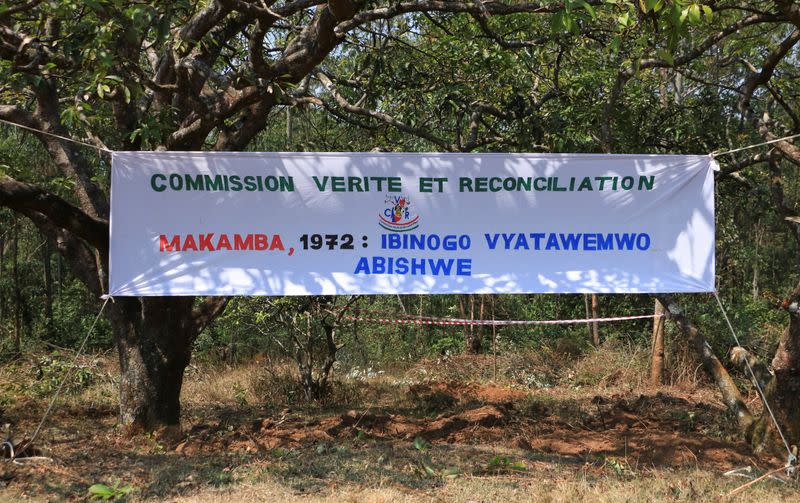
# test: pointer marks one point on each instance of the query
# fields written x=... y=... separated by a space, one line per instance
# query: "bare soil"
x=444 y=441
x=658 y=430
x=468 y=427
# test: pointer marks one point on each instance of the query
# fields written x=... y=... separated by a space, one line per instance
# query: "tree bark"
x=153 y=339
x=17 y=290
x=481 y=312
x=730 y=393
x=472 y=339
x=2 y=272
x=657 y=360
x=47 y=251
x=783 y=391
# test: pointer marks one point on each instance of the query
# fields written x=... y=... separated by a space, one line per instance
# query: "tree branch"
x=478 y=8
x=82 y=261
x=730 y=393
x=207 y=311
x=625 y=74
x=21 y=196
x=790 y=217
x=380 y=116
x=763 y=76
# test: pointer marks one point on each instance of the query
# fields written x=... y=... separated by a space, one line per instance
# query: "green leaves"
x=666 y=56
x=695 y=12
x=421 y=444
x=570 y=18
x=708 y=13
x=652 y=5
x=587 y=7
x=625 y=20
x=500 y=464
x=105 y=493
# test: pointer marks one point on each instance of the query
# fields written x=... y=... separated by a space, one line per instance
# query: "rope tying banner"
x=497 y=323
x=65 y=138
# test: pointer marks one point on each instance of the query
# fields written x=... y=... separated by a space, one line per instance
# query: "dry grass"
x=555 y=412
x=613 y=365
x=222 y=385
x=534 y=488
x=615 y=368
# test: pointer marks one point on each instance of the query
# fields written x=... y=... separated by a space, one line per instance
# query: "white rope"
x=103 y=149
x=497 y=323
x=22 y=461
x=756 y=383
x=717 y=154
x=65 y=138
x=66 y=378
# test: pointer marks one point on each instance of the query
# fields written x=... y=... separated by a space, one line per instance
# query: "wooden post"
x=588 y=316
x=657 y=358
x=595 y=325
x=494 y=339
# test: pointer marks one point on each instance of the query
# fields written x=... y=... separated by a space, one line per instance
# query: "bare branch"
x=626 y=73
x=200 y=24
x=380 y=116
x=763 y=76
x=478 y=8
x=738 y=165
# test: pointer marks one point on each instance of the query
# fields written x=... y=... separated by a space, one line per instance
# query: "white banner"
x=219 y=223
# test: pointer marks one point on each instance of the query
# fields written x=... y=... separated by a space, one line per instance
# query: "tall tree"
x=179 y=75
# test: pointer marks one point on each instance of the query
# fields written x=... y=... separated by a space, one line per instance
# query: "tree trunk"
x=783 y=391
x=595 y=325
x=289 y=130
x=473 y=342
x=316 y=387
x=759 y=235
x=47 y=251
x=657 y=360
x=2 y=270
x=154 y=337
x=730 y=393
x=17 y=290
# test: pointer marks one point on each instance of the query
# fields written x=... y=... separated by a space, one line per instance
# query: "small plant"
x=240 y=394
x=51 y=369
x=429 y=471
x=421 y=444
x=620 y=466
x=106 y=493
x=499 y=464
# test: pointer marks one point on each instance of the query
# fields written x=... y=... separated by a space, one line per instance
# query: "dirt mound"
x=644 y=431
x=292 y=432
x=438 y=395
